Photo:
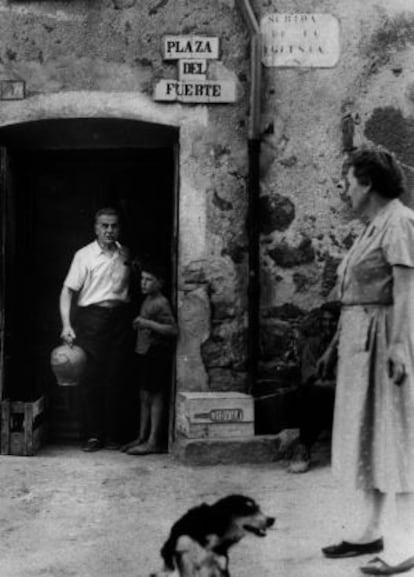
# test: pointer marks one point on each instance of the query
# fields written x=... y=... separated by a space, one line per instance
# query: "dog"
x=199 y=542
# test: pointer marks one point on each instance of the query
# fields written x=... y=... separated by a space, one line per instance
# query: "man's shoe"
x=92 y=444
x=346 y=549
x=301 y=460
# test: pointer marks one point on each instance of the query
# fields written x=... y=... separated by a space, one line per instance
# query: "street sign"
x=176 y=47
x=192 y=69
x=300 y=40
x=202 y=91
x=193 y=54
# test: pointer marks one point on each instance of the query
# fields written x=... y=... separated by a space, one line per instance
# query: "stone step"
x=231 y=450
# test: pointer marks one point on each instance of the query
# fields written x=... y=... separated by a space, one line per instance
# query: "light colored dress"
x=373 y=432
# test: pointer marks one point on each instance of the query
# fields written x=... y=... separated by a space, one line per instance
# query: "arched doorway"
x=56 y=173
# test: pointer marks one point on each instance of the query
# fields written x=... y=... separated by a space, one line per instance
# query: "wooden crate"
x=215 y=415
x=22 y=426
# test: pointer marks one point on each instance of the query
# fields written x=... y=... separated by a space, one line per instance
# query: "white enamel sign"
x=202 y=91
x=303 y=40
x=192 y=69
x=193 y=54
x=176 y=47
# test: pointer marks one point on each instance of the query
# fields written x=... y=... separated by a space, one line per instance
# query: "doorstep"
x=233 y=450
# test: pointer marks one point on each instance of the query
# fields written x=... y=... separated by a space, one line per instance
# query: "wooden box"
x=22 y=426
x=215 y=415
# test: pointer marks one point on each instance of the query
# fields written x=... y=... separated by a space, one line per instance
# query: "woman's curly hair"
x=379 y=168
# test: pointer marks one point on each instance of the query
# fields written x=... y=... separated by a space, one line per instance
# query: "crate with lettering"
x=215 y=415
x=22 y=426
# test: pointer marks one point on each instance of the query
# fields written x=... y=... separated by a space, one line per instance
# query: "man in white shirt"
x=99 y=277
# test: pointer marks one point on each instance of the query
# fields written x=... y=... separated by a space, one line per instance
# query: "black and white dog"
x=199 y=542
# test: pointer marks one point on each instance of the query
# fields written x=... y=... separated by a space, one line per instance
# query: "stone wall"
x=83 y=58
x=312 y=117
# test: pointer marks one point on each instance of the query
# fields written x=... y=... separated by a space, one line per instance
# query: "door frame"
x=47 y=134
x=174 y=294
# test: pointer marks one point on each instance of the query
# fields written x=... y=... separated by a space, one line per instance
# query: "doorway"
x=53 y=190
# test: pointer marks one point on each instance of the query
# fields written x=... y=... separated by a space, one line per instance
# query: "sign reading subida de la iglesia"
x=193 y=54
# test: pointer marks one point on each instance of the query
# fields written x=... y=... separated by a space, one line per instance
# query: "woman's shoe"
x=346 y=549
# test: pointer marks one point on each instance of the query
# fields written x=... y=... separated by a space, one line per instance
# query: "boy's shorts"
x=154 y=370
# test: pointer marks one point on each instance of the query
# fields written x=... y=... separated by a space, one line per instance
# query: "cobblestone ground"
x=65 y=513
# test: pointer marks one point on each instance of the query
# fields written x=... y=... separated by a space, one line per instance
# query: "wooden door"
x=48 y=199
x=8 y=262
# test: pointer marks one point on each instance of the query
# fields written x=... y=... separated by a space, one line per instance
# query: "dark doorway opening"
x=53 y=192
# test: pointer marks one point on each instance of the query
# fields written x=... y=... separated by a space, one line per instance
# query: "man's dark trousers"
x=316 y=408
x=105 y=335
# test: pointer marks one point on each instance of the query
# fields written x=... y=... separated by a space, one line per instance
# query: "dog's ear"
x=167 y=553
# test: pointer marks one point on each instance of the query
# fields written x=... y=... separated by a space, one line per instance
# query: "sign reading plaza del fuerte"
x=193 y=86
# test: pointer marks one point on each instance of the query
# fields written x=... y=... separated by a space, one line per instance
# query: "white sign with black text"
x=175 y=47
x=193 y=54
x=201 y=91
x=192 y=69
x=300 y=40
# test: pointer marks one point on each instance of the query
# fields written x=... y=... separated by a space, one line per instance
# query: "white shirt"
x=99 y=276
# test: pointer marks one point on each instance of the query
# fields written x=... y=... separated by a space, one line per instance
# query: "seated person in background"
x=317 y=391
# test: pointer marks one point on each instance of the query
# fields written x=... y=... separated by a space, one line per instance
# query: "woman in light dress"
x=373 y=433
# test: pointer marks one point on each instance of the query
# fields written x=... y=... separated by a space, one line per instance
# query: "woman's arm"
x=402 y=322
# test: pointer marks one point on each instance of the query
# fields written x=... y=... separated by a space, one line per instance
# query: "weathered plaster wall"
x=311 y=118
x=102 y=58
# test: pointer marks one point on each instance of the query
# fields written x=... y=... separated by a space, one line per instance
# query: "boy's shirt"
x=156 y=309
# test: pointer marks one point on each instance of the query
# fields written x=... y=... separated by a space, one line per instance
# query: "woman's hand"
x=396 y=367
x=400 y=338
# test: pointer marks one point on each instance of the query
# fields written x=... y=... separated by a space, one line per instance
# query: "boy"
x=157 y=330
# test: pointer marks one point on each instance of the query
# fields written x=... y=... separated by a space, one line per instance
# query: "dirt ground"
x=65 y=513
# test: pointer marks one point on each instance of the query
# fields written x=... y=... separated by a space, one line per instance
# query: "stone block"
x=214 y=415
x=254 y=449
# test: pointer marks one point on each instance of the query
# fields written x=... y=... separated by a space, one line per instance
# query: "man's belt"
x=109 y=304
